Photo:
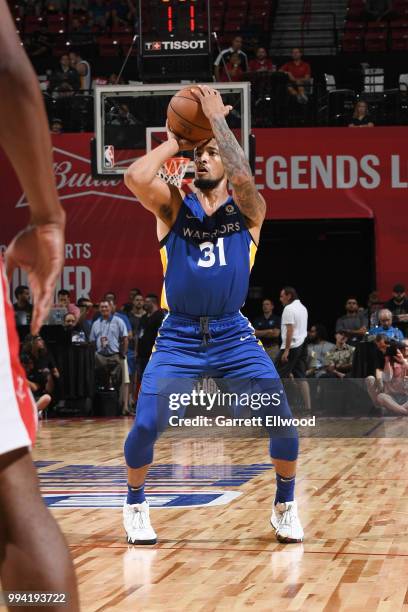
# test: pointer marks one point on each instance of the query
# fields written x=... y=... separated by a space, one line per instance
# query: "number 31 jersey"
x=206 y=260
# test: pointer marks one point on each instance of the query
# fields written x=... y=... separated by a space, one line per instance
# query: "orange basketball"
x=186 y=118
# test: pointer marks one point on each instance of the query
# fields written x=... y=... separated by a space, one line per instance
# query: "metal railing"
x=306 y=27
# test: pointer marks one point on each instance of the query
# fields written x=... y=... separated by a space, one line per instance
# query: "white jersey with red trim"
x=18 y=412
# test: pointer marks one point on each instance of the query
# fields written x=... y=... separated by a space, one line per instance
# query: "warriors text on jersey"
x=206 y=260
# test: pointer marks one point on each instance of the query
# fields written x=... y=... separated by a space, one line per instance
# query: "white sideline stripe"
x=156 y=500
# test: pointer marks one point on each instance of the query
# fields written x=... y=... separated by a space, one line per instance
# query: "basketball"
x=186 y=118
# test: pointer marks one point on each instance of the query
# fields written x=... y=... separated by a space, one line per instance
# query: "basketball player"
x=33 y=553
x=208 y=243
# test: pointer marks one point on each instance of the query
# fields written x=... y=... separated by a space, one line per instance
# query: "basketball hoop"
x=173 y=170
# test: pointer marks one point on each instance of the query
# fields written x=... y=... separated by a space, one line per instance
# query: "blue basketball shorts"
x=227 y=349
x=190 y=348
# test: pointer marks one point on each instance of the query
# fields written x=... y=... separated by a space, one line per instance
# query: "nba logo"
x=109 y=155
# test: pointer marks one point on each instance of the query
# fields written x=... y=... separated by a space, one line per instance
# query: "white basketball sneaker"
x=136 y=521
x=286 y=523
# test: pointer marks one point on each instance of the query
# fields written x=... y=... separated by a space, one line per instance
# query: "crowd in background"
x=74 y=75
x=318 y=355
x=123 y=338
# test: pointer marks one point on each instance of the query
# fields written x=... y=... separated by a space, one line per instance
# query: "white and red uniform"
x=18 y=412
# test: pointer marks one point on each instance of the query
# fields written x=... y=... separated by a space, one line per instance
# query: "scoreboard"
x=178 y=15
x=173 y=16
x=174 y=29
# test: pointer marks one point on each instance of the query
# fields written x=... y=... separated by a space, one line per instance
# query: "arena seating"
x=361 y=33
x=227 y=18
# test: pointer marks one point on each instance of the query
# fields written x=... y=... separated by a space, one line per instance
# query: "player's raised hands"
x=39 y=251
x=184 y=144
x=211 y=101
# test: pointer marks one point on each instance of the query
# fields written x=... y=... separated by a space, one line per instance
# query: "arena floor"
x=211 y=503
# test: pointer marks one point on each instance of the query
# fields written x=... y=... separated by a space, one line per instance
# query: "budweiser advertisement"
x=110 y=238
x=302 y=173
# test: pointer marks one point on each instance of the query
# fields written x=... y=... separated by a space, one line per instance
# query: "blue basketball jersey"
x=206 y=260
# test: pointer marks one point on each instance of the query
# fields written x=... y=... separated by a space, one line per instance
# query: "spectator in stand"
x=86 y=308
x=44 y=362
x=118 y=313
x=64 y=301
x=135 y=315
x=98 y=11
x=121 y=13
x=361 y=117
x=374 y=383
x=224 y=57
x=122 y=116
x=261 y=63
x=76 y=330
x=37 y=383
x=291 y=360
x=56 y=126
x=149 y=326
x=111 y=338
x=299 y=74
x=83 y=68
x=128 y=306
x=339 y=360
x=392 y=388
x=293 y=353
x=267 y=329
x=317 y=349
x=64 y=73
x=353 y=324
x=80 y=33
x=129 y=356
x=398 y=305
x=70 y=321
x=22 y=306
x=373 y=308
x=252 y=43
x=232 y=70
x=385 y=326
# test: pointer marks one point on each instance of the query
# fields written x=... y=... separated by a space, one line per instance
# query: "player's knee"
x=370 y=381
x=382 y=398
x=139 y=444
x=286 y=449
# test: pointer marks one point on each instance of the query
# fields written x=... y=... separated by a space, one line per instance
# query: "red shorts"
x=18 y=412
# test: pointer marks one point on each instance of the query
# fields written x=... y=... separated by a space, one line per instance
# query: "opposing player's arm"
x=248 y=199
x=25 y=138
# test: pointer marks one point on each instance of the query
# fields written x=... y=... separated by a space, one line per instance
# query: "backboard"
x=130 y=120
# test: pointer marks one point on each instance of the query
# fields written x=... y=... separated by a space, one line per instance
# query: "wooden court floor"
x=353 y=500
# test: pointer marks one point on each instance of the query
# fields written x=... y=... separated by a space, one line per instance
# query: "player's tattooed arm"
x=248 y=199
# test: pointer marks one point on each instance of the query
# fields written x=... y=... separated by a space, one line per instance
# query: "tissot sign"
x=302 y=173
x=156 y=48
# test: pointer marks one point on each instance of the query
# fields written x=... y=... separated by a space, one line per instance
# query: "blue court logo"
x=168 y=485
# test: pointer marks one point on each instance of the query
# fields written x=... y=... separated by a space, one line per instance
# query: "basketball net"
x=173 y=170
